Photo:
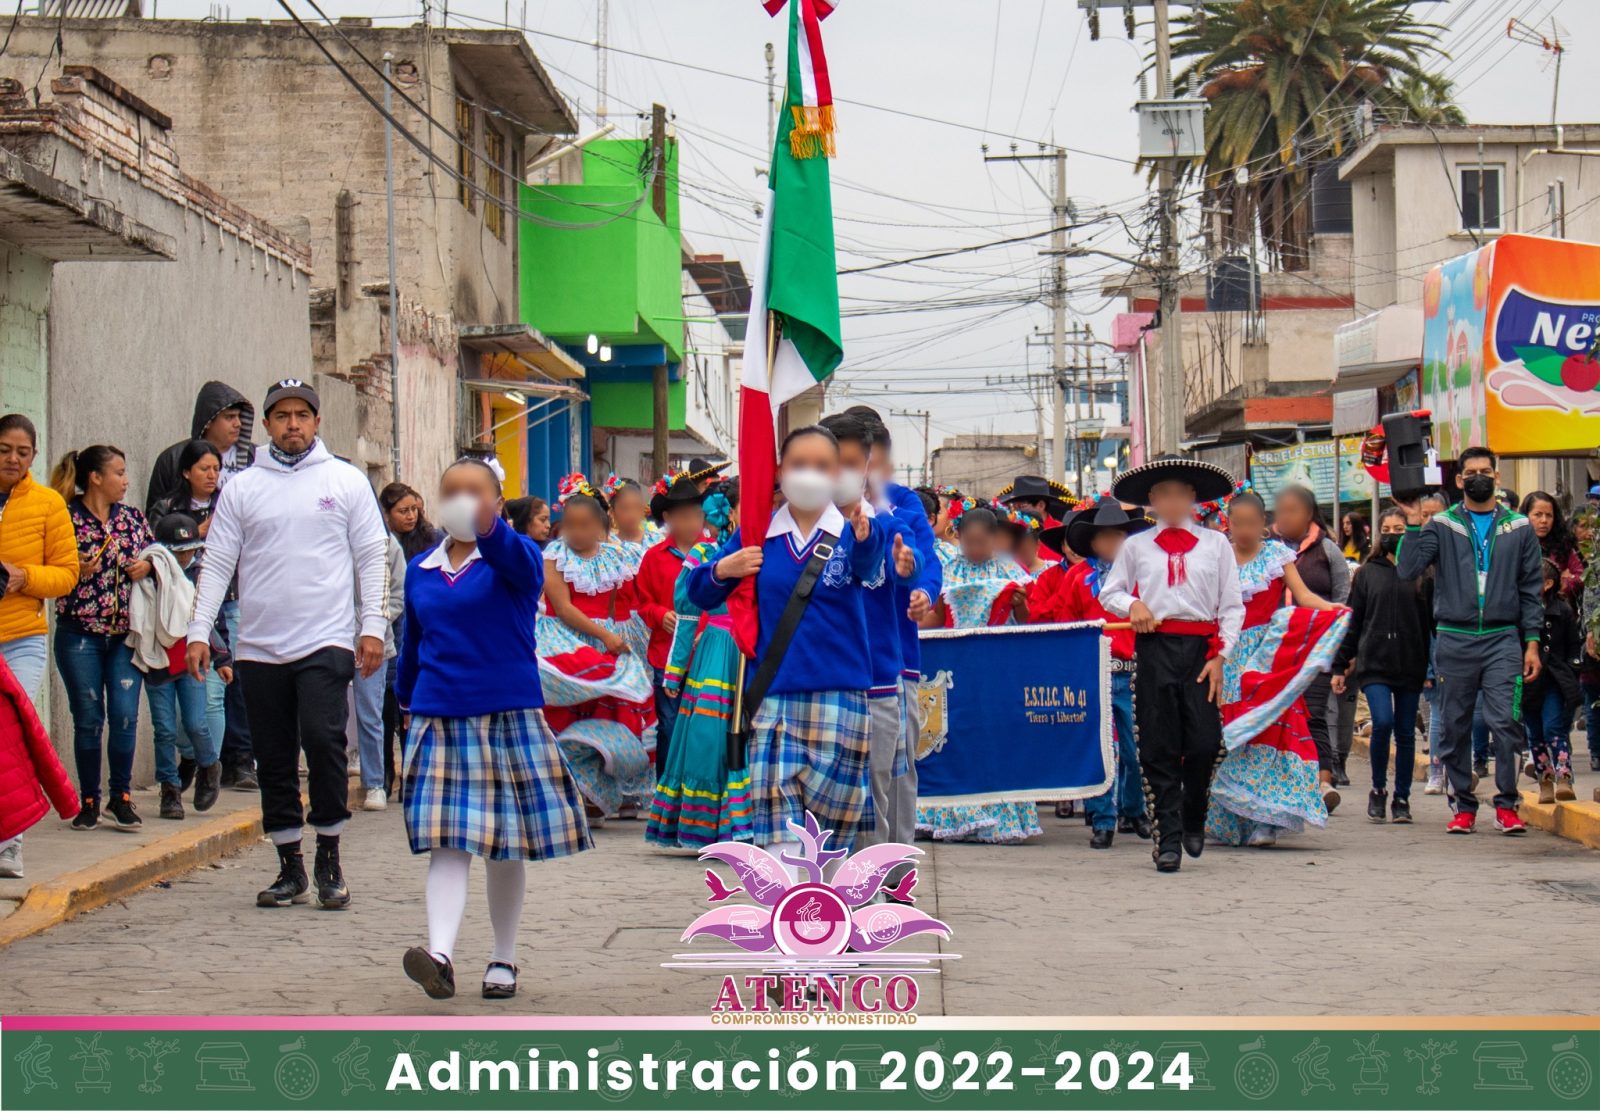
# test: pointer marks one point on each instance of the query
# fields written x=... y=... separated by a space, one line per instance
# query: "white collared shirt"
x=1210 y=592
x=783 y=524
x=439 y=559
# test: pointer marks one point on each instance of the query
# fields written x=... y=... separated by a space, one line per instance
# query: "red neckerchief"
x=1176 y=542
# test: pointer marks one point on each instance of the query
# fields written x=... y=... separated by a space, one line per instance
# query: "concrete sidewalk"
x=68 y=871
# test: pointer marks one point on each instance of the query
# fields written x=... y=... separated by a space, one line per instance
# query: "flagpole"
x=737 y=738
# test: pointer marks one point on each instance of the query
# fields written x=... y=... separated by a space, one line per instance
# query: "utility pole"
x=394 y=315
x=602 y=31
x=658 y=201
x=1058 y=297
x=1172 y=383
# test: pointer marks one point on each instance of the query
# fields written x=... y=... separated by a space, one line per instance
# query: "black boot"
x=1168 y=858
x=186 y=768
x=332 y=894
x=207 y=785
x=171 y=802
x=1102 y=838
x=1194 y=843
x=1142 y=827
x=290 y=886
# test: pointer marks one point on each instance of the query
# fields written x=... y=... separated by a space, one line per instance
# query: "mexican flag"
x=797 y=283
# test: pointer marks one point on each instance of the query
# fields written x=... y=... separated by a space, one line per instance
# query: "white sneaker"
x=376 y=800
x=11 y=859
x=1262 y=837
x=1435 y=784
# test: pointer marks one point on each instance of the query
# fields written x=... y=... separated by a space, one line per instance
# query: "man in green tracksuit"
x=1489 y=615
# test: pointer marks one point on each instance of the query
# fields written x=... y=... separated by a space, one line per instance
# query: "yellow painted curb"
x=55 y=901
x=1576 y=821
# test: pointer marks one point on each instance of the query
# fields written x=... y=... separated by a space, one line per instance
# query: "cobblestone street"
x=1357 y=919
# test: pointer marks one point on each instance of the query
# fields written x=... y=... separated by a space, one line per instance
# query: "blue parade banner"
x=1014 y=714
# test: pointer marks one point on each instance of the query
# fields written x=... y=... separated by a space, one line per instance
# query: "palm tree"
x=1428 y=99
x=1288 y=81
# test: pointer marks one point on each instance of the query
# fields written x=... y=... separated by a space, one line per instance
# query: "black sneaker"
x=245 y=780
x=1481 y=770
x=230 y=775
x=171 y=802
x=1377 y=806
x=89 y=815
x=122 y=814
x=1400 y=812
x=332 y=894
x=186 y=768
x=290 y=887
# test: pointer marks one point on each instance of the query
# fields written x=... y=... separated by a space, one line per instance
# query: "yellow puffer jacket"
x=36 y=535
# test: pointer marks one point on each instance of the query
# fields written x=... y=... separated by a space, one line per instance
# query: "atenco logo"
x=1526 y=321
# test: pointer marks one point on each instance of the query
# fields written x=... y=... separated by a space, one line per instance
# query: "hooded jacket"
x=1391 y=620
x=300 y=538
x=212 y=399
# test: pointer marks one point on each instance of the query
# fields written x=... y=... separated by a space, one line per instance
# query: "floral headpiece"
x=664 y=483
x=1205 y=509
x=961 y=505
x=575 y=485
x=612 y=484
x=947 y=491
x=1017 y=517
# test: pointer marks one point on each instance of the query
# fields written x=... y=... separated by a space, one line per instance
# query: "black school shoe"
x=1102 y=838
x=436 y=977
x=499 y=991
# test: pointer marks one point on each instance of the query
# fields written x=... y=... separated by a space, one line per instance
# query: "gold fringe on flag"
x=812 y=134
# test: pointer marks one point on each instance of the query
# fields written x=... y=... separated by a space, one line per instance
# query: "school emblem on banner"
x=933 y=719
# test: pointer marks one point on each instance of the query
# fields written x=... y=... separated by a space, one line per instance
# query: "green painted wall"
x=620 y=280
x=632 y=405
x=24 y=342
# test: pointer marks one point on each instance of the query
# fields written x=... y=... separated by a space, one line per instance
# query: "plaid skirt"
x=809 y=752
x=494 y=786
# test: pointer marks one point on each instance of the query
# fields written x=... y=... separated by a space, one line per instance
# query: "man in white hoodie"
x=301 y=528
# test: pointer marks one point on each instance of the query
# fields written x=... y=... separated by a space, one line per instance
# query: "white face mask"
x=459 y=517
x=807 y=490
x=849 y=487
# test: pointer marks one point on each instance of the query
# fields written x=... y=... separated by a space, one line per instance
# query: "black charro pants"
x=1179 y=733
x=294 y=706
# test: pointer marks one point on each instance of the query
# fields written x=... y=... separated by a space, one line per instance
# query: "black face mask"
x=1389 y=543
x=1478 y=487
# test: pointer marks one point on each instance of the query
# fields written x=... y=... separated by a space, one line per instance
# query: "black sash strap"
x=788 y=624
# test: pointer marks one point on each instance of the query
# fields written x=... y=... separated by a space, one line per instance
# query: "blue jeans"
x=1548 y=733
x=26 y=657
x=666 y=720
x=368 y=699
x=1125 y=799
x=1394 y=715
x=102 y=685
x=181 y=699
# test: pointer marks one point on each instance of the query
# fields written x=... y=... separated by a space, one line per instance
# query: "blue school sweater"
x=829 y=650
x=880 y=603
x=468 y=644
x=930 y=576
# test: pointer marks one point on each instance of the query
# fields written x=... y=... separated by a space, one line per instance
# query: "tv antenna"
x=1551 y=44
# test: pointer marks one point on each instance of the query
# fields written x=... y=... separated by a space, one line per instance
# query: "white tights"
x=507 y=883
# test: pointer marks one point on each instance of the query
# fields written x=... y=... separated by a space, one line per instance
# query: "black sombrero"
x=1210 y=481
x=1107 y=513
x=702 y=471
x=1032 y=487
x=681 y=491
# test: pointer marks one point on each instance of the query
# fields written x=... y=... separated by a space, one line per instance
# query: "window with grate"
x=1480 y=198
x=466 y=162
x=494 y=182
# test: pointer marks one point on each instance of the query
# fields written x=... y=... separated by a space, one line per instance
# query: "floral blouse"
x=99 y=603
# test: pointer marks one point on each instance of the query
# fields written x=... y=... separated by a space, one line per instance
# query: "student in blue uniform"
x=810 y=736
x=889 y=762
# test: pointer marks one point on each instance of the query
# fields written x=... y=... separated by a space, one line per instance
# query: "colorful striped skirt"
x=494 y=786
x=601 y=708
x=698 y=801
x=809 y=752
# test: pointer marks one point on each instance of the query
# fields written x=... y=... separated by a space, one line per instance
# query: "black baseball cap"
x=178 y=532
x=287 y=388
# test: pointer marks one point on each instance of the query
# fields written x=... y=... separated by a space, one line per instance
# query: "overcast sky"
x=995 y=71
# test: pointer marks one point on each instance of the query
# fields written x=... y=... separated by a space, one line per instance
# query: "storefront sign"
x=1311 y=464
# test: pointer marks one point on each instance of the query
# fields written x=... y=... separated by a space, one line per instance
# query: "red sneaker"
x=1461 y=823
x=1507 y=822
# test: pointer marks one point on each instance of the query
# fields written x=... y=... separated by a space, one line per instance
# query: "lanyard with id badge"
x=1481 y=549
